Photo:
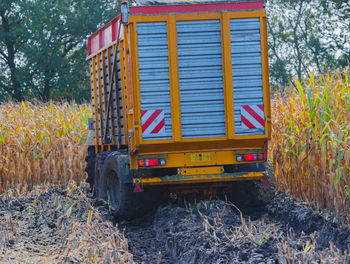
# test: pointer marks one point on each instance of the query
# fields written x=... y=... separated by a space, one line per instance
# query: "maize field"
x=42 y=143
x=46 y=218
x=311 y=141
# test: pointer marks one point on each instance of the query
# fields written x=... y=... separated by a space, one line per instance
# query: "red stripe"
x=143 y=112
x=261 y=107
x=159 y=127
x=254 y=114
x=246 y=122
x=151 y=119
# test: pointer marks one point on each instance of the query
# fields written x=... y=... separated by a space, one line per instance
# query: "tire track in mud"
x=214 y=232
x=283 y=231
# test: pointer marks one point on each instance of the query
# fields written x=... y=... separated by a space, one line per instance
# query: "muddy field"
x=55 y=226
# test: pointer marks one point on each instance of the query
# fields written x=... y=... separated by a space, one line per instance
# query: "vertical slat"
x=114 y=105
x=128 y=91
x=227 y=67
x=153 y=74
x=100 y=94
x=246 y=69
x=201 y=79
x=122 y=73
x=174 y=79
x=109 y=74
x=265 y=69
x=95 y=101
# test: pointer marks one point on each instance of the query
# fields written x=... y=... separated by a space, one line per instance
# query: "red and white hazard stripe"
x=152 y=122
x=253 y=116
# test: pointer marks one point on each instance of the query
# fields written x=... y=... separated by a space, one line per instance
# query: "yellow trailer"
x=180 y=97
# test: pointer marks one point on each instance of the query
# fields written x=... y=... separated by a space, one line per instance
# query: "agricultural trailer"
x=180 y=101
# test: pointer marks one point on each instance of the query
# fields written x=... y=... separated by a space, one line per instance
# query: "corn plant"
x=311 y=141
x=42 y=143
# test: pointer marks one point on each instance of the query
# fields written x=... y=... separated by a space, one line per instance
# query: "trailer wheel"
x=124 y=203
x=90 y=167
x=99 y=182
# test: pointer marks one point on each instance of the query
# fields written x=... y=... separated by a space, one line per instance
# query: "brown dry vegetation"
x=42 y=143
x=311 y=141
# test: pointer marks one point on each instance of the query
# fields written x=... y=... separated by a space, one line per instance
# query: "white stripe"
x=153 y=125
x=251 y=119
x=258 y=111
x=146 y=116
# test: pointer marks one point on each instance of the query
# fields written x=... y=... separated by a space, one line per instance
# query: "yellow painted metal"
x=227 y=74
x=174 y=79
x=202 y=179
x=200 y=171
x=100 y=96
x=227 y=68
x=209 y=158
x=223 y=149
x=124 y=92
x=197 y=16
x=136 y=84
x=265 y=70
x=97 y=139
x=109 y=74
x=131 y=53
x=148 y=18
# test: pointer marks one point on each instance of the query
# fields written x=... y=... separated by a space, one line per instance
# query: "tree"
x=57 y=49
x=12 y=39
x=306 y=36
x=43 y=47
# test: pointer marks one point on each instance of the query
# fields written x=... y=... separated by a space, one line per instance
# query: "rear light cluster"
x=251 y=157
x=151 y=162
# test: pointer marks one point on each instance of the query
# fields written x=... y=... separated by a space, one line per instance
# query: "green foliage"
x=307 y=36
x=48 y=39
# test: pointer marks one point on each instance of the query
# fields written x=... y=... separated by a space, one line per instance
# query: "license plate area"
x=200 y=158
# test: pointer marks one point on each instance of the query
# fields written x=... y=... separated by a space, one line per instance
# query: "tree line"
x=43 y=43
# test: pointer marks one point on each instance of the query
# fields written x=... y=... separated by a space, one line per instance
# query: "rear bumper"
x=186 y=179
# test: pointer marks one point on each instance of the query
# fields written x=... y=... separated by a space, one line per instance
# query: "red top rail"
x=108 y=33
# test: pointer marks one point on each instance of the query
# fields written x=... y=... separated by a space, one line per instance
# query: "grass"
x=310 y=144
x=42 y=143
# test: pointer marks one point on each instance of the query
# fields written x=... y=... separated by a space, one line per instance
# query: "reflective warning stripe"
x=252 y=116
x=152 y=122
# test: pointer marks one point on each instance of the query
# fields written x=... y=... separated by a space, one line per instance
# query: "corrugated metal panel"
x=246 y=69
x=152 y=43
x=200 y=77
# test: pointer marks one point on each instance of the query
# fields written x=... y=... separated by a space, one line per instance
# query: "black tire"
x=123 y=202
x=90 y=167
x=99 y=182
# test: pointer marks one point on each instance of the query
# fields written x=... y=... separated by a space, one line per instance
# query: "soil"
x=38 y=230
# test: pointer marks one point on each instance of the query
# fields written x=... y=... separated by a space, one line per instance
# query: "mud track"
x=283 y=231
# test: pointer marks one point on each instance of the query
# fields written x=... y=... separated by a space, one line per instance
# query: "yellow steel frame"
x=171 y=20
x=201 y=171
x=131 y=92
x=201 y=179
x=216 y=157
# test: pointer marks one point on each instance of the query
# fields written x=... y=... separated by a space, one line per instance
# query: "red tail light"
x=249 y=157
x=265 y=150
x=151 y=162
